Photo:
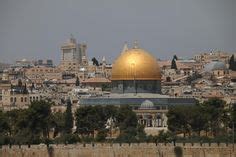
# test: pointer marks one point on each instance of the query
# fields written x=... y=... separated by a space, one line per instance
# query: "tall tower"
x=83 y=54
x=70 y=56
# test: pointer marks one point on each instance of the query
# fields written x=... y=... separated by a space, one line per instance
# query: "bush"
x=101 y=136
x=68 y=139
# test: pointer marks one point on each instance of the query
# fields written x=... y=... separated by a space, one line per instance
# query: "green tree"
x=178 y=119
x=128 y=124
x=198 y=119
x=58 y=123
x=214 y=108
x=232 y=63
x=173 y=64
x=20 y=83
x=95 y=61
x=37 y=120
x=175 y=57
x=4 y=127
x=68 y=117
x=88 y=120
x=77 y=82
x=25 y=91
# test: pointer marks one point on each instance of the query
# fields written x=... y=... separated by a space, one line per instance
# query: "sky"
x=35 y=29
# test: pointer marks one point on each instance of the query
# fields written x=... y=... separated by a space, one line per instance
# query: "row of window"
x=24 y=99
x=41 y=70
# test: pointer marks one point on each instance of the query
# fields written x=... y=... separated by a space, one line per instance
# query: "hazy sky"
x=35 y=29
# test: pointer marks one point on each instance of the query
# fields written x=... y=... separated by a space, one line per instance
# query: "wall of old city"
x=120 y=150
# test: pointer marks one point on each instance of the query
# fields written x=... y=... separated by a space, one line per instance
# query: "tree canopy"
x=95 y=61
x=173 y=64
x=208 y=116
x=232 y=63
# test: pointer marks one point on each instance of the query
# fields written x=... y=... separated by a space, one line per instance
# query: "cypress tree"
x=77 y=82
x=20 y=83
x=175 y=57
x=232 y=63
x=25 y=91
x=95 y=61
x=68 y=117
x=173 y=64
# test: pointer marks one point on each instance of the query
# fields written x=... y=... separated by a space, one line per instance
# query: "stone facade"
x=136 y=86
x=121 y=150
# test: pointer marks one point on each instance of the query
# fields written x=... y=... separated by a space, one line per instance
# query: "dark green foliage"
x=68 y=139
x=101 y=135
x=127 y=120
x=207 y=117
x=175 y=57
x=25 y=91
x=173 y=64
x=38 y=116
x=95 y=61
x=77 y=82
x=19 y=83
x=106 y=87
x=93 y=118
x=233 y=113
x=164 y=137
x=28 y=125
x=68 y=117
x=58 y=123
x=4 y=126
x=89 y=118
x=232 y=63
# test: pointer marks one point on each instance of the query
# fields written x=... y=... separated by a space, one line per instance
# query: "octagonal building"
x=136 y=71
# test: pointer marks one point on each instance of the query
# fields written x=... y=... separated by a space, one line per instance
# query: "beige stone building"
x=38 y=74
x=215 y=55
x=73 y=55
x=152 y=118
x=15 y=100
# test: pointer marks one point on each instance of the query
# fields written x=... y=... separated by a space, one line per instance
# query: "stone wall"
x=121 y=150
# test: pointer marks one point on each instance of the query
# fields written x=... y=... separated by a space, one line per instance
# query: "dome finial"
x=136 y=45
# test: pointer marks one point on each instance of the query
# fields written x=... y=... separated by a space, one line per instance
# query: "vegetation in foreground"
x=206 y=122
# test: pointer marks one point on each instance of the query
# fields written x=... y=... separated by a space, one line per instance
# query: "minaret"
x=103 y=64
x=103 y=60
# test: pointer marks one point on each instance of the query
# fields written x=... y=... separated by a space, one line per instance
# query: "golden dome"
x=136 y=64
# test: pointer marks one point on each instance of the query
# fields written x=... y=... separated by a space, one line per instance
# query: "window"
x=25 y=99
x=11 y=99
x=21 y=99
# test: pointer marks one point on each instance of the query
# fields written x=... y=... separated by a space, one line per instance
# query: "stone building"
x=18 y=97
x=73 y=55
x=136 y=81
x=136 y=71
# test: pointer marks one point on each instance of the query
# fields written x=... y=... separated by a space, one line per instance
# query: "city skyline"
x=37 y=29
